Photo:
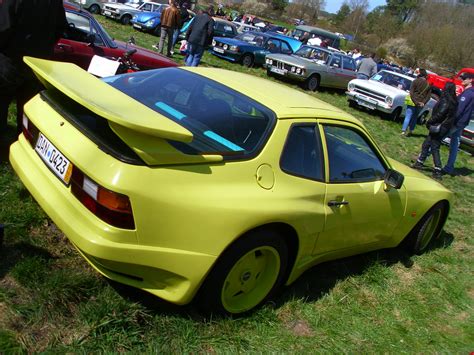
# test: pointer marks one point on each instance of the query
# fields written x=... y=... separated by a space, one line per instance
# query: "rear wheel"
x=246 y=274
x=125 y=19
x=94 y=9
x=312 y=83
x=247 y=60
x=427 y=229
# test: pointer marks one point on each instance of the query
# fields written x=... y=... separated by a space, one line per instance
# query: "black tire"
x=247 y=60
x=312 y=83
x=94 y=9
x=352 y=104
x=125 y=19
x=395 y=115
x=157 y=31
x=253 y=288
x=427 y=229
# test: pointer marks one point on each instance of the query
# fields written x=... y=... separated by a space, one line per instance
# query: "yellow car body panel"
x=186 y=214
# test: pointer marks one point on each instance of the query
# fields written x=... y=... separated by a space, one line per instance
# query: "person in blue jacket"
x=463 y=116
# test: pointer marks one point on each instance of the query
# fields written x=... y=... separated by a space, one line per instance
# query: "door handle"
x=65 y=47
x=335 y=203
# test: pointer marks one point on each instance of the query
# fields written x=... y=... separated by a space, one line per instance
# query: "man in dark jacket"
x=463 y=116
x=199 y=35
x=420 y=93
x=170 y=22
x=27 y=28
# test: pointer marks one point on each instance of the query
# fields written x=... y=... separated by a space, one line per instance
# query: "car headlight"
x=150 y=23
x=389 y=100
x=351 y=87
x=269 y=61
x=293 y=69
x=134 y=18
x=299 y=71
x=234 y=48
x=214 y=42
x=225 y=46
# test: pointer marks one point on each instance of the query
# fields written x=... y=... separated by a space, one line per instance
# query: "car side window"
x=302 y=154
x=285 y=48
x=351 y=157
x=335 y=61
x=80 y=28
x=146 y=7
x=273 y=45
x=348 y=64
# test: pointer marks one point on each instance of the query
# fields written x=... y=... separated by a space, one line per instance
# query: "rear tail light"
x=111 y=207
x=29 y=131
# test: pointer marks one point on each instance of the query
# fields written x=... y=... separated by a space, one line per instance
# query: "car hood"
x=234 y=42
x=145 y=16
x=144 y=52
x=295 y=59
x=379 y=87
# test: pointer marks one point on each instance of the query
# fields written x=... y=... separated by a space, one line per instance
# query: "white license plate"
x=137 y=26
x=218 y=50
x=107 y=13
x=54 y=159
x=366 y=104
x=278 y=70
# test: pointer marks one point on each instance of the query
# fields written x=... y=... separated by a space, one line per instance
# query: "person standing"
x=198 y=36
x=443 y=115
x=170 y=21
x=27 y=28
x=463 y=116
x=420 y=93
x=366 y=67
x=184 y=17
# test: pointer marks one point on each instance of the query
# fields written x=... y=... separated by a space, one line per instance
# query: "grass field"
x=51 y=300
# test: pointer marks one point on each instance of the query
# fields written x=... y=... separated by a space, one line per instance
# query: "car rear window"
x=223 y=121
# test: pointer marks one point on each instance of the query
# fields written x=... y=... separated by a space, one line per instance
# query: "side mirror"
x=393 y=179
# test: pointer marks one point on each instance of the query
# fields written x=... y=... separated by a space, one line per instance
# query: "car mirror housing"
x=393 y=179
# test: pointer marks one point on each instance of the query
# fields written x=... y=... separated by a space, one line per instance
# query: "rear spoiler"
x=140 y=133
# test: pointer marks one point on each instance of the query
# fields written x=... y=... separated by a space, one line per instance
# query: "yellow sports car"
x=206 y=184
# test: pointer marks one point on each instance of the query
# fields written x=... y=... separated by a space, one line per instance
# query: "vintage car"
x=125 y=12
x=93 y=6
x=313 y=67
x=333 y=39
x=438 y=82
x=85 y=38
x=385 y=92
x=222 y=28
x=194 y=183
x=250 y=48
x=245 y=27
x=149 y=21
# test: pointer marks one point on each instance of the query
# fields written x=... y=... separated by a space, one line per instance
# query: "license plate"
x=277 y=70
x=366 y=102
x=54 y=159
x=107 y=13
x=137 y=26
x=218 y=50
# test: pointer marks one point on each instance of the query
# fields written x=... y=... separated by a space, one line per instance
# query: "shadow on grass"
x=6 y=139
x=320 y=279
x=11 y=255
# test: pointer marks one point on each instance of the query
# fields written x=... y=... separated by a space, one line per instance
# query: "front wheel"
x=94 y=9
x=312 y=83
x=247 y=60
x=125 y=20
x=427 y=229
x=246 y=274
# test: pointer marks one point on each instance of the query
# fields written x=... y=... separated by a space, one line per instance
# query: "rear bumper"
x=172 y=274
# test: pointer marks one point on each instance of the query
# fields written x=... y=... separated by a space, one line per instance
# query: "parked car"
x=222 y=28
x=125 y=12
x=149 y=21
x=244 y=27
x=93 y=6
x=385 y=92
x=333 y=39
x=85 y=38
x=313 y=67
x=250 y=48
x=438 y=82
x=204 y=186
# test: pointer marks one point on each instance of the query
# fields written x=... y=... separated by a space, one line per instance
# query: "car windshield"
x=392 y=79
x=108 y=39
x=222 y=120
x=252 y=38
x=317 y=54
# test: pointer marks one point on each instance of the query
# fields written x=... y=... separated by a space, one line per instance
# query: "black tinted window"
x=351 y=158
x=348 y=63
x=302 y=153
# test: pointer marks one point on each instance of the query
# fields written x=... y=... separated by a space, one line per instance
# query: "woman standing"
x=443 y=115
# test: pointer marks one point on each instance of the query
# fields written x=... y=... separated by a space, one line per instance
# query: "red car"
x=85 y=38
x=438 y=82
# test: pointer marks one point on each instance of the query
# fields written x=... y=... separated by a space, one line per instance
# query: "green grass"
x=52 y=300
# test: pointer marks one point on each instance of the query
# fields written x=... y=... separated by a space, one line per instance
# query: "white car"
x=125 y=12
x=385 y=92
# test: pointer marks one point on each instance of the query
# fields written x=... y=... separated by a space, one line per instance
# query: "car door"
x=359 y=209
x=75 y=46
x=335 y=72
x=348 y=71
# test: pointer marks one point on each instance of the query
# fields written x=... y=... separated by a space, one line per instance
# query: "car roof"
x=284 y=101
x=399 y=74
x=317 y=30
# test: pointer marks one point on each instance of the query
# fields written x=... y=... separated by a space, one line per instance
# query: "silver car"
x=313 y=67
x=125 y=12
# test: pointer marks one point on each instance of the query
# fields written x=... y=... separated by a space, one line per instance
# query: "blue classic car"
x=149 y=21
x=250 y=48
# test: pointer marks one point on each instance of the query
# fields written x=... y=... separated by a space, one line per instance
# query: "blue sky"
x=334 y=5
